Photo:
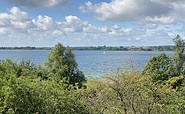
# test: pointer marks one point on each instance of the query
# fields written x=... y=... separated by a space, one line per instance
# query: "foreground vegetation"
x=58 y=87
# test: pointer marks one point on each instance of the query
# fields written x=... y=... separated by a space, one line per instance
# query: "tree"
x=179 y=57
x=61 y=64
x=160 y=68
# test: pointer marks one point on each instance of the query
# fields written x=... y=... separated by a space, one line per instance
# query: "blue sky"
x=91 y=23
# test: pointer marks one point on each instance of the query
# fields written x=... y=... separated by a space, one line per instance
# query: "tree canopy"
x=179 y=57
x=160 y=68
x=61 y=64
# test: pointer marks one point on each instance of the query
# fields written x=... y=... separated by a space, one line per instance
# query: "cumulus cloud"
x=43 y=22
x=15 y=20
x=155 y=11
x=72 y=24
x=121 y=10
x=18 y=23
x=38 y=3
x=18 y=26
x=58 y=33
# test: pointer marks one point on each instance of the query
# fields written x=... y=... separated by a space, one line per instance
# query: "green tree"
x=160 y=68
x=179 y=57
x=61 y=64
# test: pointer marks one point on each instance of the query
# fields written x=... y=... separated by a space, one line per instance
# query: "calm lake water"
x=92 y=63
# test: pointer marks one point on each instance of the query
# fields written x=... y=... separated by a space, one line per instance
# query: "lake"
x=92 y=63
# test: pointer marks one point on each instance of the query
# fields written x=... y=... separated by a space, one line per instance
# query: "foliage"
x=131 y=93
x=160 y=68
x=179 y=57
x=43 y=97
x=23 y=91
x=61 y=64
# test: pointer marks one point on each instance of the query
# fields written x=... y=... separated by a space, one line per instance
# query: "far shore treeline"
x=101 y=48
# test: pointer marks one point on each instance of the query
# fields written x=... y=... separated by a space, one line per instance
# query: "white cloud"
x=155 y=11
x=117 y=31
x=95 y=30
x=72 y=24
x=121 y=10
x=19 y=27
x=176 y=15
x=15 y=19
x=43 y=22
x=179 y=10
x=111 y=31
x=58 y=33
x=72 y=19
x=172 y=35
x=151 y=26
x=90 y=29
x=88 y=5
x=166 y=1
x=3 y=31
x=73 y=29
x=163 y=19
x=38 y=3
x=14 y=14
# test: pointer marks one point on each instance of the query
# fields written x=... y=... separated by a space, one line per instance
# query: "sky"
x=44 y=23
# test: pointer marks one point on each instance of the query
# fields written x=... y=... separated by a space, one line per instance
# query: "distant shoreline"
x=100 y=48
